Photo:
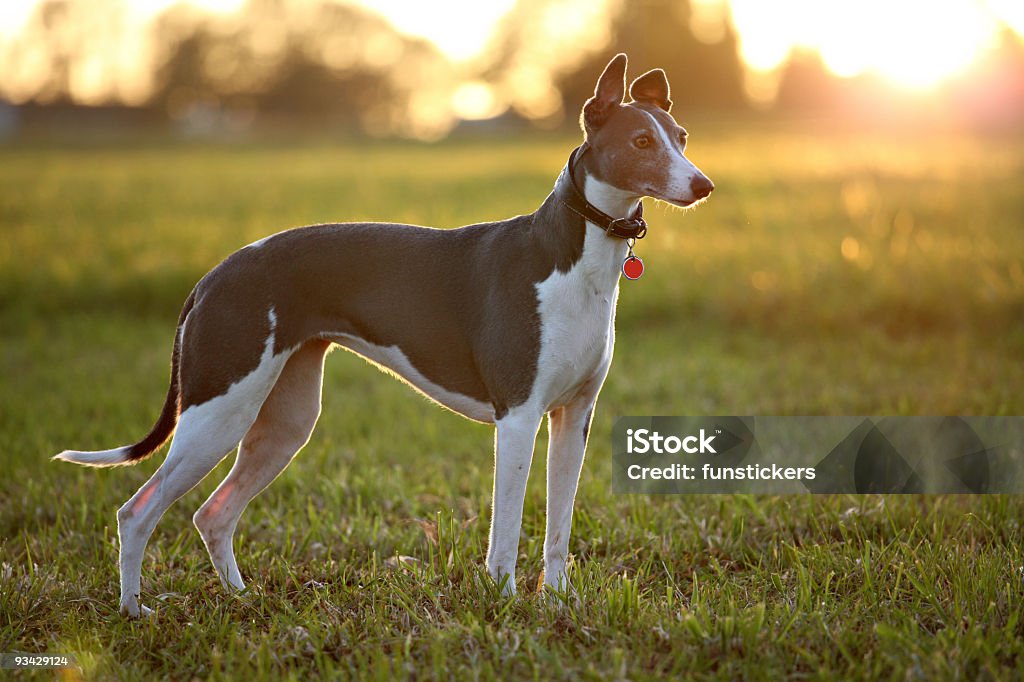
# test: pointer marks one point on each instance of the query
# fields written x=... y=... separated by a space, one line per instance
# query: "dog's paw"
x=507 y=584
x=133 y=609
x=504 y=578
x=557 y=590
x=137 y=612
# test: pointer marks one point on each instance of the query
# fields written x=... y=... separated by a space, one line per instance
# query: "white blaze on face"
x=681 y=172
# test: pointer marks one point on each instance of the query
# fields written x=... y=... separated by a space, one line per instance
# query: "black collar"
x=569 y=194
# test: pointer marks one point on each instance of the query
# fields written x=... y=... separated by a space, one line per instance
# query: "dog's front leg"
x=513 y=451
x=568 y=428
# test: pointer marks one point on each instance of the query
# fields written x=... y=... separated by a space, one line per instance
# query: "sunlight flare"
x=913 y=43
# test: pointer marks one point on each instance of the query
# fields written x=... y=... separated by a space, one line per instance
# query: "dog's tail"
x=161 y=431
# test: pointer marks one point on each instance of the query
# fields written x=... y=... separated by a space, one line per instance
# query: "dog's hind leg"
x=282 y=428
x=206 y=433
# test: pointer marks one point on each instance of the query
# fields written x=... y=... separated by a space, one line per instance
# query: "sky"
x=913 y=43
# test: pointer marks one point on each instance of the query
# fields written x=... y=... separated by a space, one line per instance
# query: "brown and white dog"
x=500 y=322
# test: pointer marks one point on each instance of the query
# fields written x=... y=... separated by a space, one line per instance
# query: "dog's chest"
x=577 y=314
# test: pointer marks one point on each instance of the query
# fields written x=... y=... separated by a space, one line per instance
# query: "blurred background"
x=424 y=70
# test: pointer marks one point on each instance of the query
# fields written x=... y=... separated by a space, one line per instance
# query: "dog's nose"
x=701 y=186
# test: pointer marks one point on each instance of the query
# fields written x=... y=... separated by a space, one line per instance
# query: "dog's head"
x=638 y=146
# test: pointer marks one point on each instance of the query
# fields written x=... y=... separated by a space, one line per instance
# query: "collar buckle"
x=627 y=228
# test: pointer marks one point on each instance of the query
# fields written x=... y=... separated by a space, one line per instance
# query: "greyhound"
x=500 y=322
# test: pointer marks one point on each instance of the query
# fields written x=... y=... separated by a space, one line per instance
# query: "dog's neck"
x=601 y=254
x=611 y=200
x=577 y=182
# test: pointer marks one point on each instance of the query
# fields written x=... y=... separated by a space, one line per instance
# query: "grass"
x=830 y=274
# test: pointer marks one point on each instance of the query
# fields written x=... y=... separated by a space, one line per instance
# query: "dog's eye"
x=682 y=139
x=642 y=141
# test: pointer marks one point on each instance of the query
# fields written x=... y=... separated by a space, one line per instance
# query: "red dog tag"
x=632 y=267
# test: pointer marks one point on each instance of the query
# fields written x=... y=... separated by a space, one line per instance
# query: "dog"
x=500 y=322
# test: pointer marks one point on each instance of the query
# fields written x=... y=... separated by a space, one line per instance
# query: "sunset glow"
x=913 y=43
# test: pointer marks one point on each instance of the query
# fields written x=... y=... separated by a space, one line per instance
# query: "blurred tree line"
x=331 y=63
x=336 y=63
x=328 y=63
x=703 y=73
x=274 y=61
x=705 y=70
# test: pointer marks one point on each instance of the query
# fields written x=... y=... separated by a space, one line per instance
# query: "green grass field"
x=829 y=274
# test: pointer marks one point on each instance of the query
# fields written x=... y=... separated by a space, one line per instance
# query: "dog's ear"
x=652 y=87
x=609 y=93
